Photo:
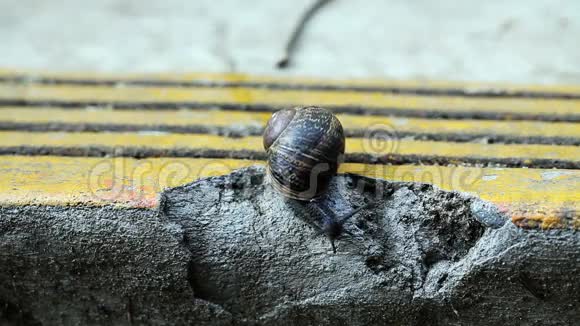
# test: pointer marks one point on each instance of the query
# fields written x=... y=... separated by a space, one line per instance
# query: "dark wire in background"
x=298 y=30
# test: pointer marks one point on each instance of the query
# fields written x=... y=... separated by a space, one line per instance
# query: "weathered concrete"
x=524 y=41
x=230 y=249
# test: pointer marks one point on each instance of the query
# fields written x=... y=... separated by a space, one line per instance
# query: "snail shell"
x=304 y=148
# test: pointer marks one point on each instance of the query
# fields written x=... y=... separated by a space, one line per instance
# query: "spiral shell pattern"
x=304 y=146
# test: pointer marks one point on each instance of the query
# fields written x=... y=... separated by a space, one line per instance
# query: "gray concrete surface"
x=528 y=41
x=230 y=250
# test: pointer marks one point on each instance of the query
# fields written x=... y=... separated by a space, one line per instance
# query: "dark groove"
x=16 y=313
x=419 y=91
x=394 y=159
x=98 y=127
x=350 y=109
x=257 y=131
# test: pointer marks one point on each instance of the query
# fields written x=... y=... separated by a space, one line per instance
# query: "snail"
x=304 y=148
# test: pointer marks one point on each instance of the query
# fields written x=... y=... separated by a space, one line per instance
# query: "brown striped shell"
x=304 y=146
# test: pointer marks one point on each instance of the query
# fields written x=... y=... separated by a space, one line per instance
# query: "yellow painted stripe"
x=99 y=181
x=254 y=143
x=143 y=118
x=240 y=77
x=258 y=119
x=532 y=197
x=285 y=98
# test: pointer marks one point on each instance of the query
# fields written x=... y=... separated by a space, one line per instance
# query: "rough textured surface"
x=230 y=249
x=518 y=41
x=80 y=266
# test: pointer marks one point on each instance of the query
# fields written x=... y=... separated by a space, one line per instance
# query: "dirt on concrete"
x=231 y=250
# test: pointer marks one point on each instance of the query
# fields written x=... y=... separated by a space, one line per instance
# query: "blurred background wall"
x=526 y=41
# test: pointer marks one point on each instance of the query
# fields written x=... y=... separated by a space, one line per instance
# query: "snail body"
x=304 y=148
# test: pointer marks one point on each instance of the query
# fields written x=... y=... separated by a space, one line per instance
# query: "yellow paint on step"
x=180 y=118
x=532 y=197
x=469 y=86
x=286 y=98
x=126 y=182
x=353 y=145
x=392 y=125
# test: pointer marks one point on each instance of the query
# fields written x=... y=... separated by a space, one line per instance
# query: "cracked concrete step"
x=532 y=198
x=113 y=240
x=361 y=150
x=370 y=102
x=230 y=250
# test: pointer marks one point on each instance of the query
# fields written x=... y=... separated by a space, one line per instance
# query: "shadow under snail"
x=304 y=148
